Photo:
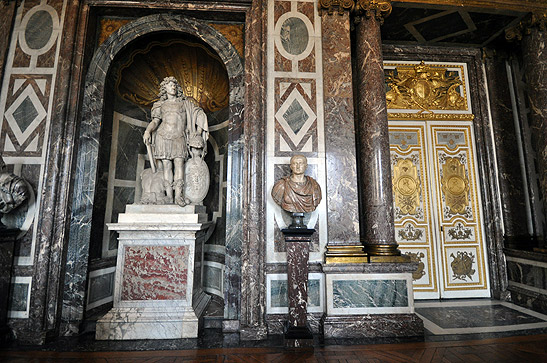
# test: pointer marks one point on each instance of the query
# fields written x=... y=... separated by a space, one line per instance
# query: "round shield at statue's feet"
x=197 y=180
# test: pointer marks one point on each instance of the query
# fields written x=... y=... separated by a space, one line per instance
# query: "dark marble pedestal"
x=370 y=300
x=7 y=242
x=297 y=333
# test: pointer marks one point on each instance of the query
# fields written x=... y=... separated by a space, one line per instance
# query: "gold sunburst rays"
x=200 y=73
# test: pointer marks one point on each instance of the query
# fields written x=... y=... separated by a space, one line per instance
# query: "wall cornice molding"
x=515 y=5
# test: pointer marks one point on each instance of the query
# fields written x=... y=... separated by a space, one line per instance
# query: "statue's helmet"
x=196 y=141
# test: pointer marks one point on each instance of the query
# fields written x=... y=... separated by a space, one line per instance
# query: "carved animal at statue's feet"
x=153 y=188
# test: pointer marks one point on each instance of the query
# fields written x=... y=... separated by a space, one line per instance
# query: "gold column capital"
x=332 y=6
x=380 y=9
x=524 y=27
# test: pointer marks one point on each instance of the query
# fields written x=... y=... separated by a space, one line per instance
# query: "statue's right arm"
x=147 y=137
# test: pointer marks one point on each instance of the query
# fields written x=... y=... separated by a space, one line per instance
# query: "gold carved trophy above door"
x=435 y=182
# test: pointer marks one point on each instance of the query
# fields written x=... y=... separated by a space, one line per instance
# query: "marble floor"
x=447 y=320
x=477 y=318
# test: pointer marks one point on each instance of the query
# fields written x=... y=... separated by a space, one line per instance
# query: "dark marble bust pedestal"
x=298 y=333
x=7 y=242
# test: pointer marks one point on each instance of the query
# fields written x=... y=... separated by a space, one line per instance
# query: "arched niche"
x=93 y=114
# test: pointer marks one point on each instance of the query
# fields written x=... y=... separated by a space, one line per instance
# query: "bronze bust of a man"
x=297 y=193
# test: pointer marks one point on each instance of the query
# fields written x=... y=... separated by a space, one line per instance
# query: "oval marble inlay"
x=294 y=36
x=39 y=29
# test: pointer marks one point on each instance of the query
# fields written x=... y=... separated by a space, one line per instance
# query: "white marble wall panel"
x=26 y=101
x=295 y=123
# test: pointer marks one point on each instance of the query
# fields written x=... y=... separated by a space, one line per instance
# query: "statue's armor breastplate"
x=173 y=120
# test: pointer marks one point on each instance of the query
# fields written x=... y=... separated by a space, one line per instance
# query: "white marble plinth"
x=158 y=291
x=150 y=323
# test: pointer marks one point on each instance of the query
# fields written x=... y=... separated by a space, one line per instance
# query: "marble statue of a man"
x=174 y=119
x=297 y=193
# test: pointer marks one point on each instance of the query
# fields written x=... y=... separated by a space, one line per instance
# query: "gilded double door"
x=438 y=216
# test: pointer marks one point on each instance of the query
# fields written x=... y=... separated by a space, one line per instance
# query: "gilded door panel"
x=414 y=227
x=462 y=256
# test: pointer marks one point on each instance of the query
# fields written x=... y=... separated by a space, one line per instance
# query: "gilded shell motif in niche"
x=200 y=72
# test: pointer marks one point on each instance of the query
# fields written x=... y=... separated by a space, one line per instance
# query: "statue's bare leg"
x=179 y=181
x=168 y=179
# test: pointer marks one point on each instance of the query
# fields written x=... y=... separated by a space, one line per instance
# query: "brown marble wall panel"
x=280 y=8
x=342 y=201
x=250 y=309
x=53 y=218
x=307 y=64
x=307 y=9
x=509 y=171
x=7 y=15
x=535 y=67
x=20 y=59
x=46 y=60
x=281 y=63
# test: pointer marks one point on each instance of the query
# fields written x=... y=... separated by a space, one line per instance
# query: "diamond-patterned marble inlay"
x=295 y=116
x=25 y=114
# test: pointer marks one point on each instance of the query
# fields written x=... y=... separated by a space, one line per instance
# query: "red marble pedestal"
x=298 y=251
x=158 y=292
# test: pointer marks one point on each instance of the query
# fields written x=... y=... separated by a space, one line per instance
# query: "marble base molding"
x=373 y=326
x=158 y=290
x=370 y=300
x=7 y=243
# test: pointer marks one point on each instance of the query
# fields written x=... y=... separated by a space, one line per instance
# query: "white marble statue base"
x=151 y=323
x=158 y=291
